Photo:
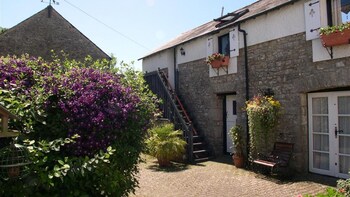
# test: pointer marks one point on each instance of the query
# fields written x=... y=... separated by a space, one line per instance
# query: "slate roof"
x=255 y=9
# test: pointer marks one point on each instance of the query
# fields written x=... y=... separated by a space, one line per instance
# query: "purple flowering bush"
x=103 y=111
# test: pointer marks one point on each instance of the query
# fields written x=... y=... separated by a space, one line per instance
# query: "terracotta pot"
x=225 y=61
x=220 y=63
x=163 y=162
x=238 y=161
x=215 y=63
x=336 y=38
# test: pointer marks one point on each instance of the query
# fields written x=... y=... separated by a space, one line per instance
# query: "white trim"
x=333 y=140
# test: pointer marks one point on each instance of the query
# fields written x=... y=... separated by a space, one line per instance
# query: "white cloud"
x=150 y=3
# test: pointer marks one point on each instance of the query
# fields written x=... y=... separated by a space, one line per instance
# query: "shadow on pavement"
x=297 y=177
x=175 y=167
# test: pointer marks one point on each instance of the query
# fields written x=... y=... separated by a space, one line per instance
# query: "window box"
x=336 y=38
x=218 y=60
x=335 y=35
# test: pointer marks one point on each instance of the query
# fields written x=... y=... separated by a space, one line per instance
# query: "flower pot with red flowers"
x=218 y=60
x=335 y=35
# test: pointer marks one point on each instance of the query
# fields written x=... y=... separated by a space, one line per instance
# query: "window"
x=339 y=10
x=224 y=45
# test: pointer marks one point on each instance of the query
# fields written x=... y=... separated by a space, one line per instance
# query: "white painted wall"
x=286 y=21
x=163 y=59
x=195 y=49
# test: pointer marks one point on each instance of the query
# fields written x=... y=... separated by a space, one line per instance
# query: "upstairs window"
x=339 y=10
x=224 y=45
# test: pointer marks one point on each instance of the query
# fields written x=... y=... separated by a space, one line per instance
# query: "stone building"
x=274 y=46
x=45 y=31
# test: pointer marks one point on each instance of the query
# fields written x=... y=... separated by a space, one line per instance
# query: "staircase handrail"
x=188 y=127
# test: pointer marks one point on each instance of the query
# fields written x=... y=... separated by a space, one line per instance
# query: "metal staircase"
x=174 y=110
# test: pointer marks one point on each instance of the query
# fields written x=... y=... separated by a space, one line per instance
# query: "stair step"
x=199 y=151
x=202 y=159
x=198 y=143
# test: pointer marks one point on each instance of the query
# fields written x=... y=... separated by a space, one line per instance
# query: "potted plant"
x=217 y=60
x=236 y=134
x=165 y=143
x=335 y=35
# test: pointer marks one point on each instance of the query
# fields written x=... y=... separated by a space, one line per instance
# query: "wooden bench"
x=278 y=159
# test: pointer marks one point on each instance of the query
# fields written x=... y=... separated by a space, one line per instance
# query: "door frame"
x=333 y=143
x=224 y=128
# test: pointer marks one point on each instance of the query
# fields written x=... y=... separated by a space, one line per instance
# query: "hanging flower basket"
x=218 y=60
x=335 y=35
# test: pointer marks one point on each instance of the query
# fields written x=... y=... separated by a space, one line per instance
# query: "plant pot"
x=218 y=63
x=225 y=61
x=163 y=162
x=238 y=161
x=336 y=38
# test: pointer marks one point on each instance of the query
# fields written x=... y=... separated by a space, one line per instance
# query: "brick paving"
x=221 y=178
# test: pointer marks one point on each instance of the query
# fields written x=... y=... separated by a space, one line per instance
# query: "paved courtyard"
x=221 y=178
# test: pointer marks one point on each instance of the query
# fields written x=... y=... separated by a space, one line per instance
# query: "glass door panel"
x=344 y=134
x=320 y=133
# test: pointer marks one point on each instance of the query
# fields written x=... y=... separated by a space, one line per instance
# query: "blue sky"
x=135 y=27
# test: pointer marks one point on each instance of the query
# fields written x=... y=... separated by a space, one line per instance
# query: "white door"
x=231 y=117
x=329 y=133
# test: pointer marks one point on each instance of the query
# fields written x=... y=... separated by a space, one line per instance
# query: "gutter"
x=246 y=79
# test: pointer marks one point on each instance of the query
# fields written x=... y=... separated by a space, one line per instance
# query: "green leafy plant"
x=236 y=134
x=334 y=29
x=263 y=113
x=59 y=99
x=165 y=143
x=330 y=192
x=214 y=56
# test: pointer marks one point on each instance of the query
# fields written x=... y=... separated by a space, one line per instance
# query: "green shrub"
x=165 y=143
x=330 y=192
x=84 y=125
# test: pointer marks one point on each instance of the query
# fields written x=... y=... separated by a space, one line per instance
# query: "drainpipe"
x=175 y=73
x=246 y=77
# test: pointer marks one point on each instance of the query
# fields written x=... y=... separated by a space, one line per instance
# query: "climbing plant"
x=263 y=113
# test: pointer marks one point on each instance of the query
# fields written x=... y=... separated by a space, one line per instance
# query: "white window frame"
x=335 y=12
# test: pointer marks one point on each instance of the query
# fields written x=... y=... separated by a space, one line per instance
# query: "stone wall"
x=41 y=33
x=284 y=65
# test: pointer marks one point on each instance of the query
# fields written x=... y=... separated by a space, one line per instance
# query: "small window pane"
x=321 y=143
x=224 y=44
x=344 y=105
x=344 y=164
x=345 y=9
x=234 y=106
x=321 y=161
x=320 y=124
x=344 y=145
x=320 y=105
x=344 y=124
